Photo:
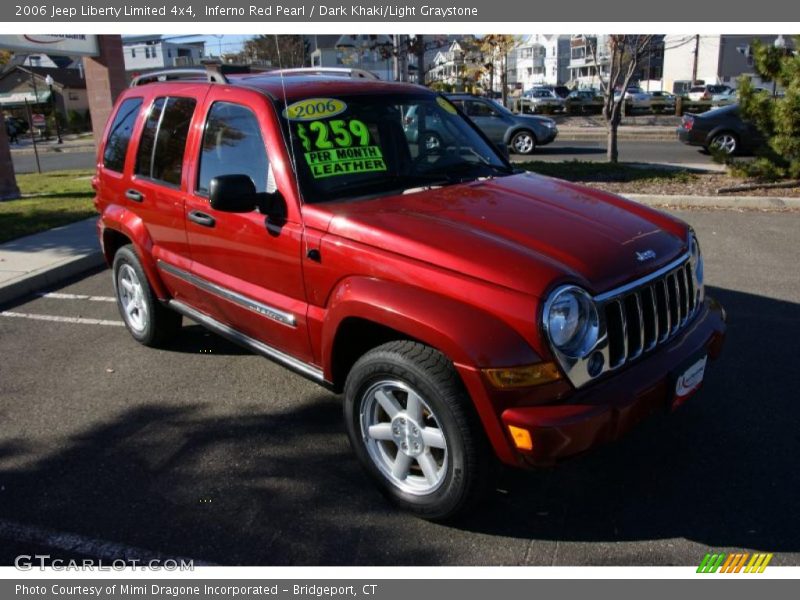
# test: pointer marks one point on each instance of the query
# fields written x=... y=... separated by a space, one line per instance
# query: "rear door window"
x=119 y=136
x=163 y=141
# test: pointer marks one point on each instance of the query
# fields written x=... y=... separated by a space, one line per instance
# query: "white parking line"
x=78 y=544
x=60 y=319
x=61 y=296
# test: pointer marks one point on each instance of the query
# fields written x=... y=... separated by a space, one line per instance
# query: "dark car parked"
x=722 y=128
x=522 y=133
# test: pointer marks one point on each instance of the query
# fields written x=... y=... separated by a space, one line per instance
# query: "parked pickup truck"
x=471 y=315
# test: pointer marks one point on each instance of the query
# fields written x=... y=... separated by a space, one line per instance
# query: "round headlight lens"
x=572 y=322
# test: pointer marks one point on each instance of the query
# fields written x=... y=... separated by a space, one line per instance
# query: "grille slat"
x=640 y=319
x=685 y=291
x=692 y=293
x=672 y=291
x=650 y=318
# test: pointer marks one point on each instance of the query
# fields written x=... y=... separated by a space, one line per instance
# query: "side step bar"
x=237 y=337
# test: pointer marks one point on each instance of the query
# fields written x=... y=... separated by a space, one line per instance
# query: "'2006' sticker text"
x=314 y=108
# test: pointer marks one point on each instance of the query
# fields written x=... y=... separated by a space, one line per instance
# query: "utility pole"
x=696 y=56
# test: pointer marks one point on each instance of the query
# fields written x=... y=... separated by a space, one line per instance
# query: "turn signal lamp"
x=527 y=376
x=522 y=438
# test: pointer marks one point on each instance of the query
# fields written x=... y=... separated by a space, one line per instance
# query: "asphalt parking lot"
x=207 y=452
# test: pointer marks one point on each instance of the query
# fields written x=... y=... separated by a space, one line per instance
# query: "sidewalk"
x=642 y=133
x=43 y=260
x=72 y=143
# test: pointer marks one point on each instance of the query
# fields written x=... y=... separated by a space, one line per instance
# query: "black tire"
x=467 y=464
x=156 y=324
x=520 y=148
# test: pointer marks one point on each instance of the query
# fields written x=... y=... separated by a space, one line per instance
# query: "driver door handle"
x=202 y=218
x=134 y=195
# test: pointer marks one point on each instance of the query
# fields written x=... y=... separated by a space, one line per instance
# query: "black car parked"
x=722 y=128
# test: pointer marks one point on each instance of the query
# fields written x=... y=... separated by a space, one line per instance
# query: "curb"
x=601 y=137
x=48 y=277
x=747 y=202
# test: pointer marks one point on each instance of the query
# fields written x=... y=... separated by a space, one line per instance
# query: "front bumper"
x=604 y=411
x=548 y=136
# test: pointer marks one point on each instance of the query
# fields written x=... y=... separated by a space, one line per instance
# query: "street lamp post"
x=49 y=81
x=780 y=45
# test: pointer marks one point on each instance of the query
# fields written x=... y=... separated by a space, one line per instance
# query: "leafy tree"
x=624 y=55
x=497 y=47
x=777 y=118
x=286 y=51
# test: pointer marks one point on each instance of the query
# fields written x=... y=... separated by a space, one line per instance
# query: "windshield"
x=368 y=145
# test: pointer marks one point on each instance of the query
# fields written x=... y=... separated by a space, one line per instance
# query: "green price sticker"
x=345 y=161
x=339 y=147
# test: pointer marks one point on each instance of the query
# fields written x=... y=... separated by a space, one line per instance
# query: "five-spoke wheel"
x=147 y=320
x=415 y=431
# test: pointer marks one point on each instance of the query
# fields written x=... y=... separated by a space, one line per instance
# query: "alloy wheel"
x=403 y=437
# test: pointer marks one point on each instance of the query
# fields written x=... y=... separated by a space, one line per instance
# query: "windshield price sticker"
x=339 y=147
x=345 y=161
x=313 y=109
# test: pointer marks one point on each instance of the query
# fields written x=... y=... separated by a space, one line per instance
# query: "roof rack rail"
x=334 y=71
x=211 y=73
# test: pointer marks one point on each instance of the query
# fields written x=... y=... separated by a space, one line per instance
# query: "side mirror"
x=233 y=193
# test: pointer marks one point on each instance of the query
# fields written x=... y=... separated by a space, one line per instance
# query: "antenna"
x=289 y=127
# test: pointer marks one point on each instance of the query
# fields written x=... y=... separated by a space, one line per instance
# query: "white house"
x=720 y=59
x=542 y=59
x=449 y=64
x=148 y=52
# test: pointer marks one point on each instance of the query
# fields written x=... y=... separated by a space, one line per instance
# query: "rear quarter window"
x=163 y=141
x=119 y=134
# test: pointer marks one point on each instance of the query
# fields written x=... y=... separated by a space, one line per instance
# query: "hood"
x=524 y=232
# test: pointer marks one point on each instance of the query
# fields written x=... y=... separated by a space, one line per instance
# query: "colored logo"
x=734 y=563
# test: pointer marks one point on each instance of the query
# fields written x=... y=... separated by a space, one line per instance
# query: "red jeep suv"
x=469 y=313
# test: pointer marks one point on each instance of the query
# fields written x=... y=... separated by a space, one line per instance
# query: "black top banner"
x=444 y=11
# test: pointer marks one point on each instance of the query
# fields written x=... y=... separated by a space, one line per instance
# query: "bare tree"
x=624 y=54
x=292 y=50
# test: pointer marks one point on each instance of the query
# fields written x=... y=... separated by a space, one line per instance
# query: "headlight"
x=571 y=322
x=697 y=265
x=550 y=124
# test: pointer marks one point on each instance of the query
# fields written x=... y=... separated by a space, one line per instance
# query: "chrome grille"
x=639 y=319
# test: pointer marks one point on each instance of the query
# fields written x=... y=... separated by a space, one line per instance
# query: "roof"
x=69 y=78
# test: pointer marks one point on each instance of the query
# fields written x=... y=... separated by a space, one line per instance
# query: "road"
x=671 y=152
x=52 y=161
x=206 y=451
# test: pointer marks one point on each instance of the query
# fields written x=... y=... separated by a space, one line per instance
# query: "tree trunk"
x=612 y=153
x=420 y=60
x=504 y=82
x=613 y=119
